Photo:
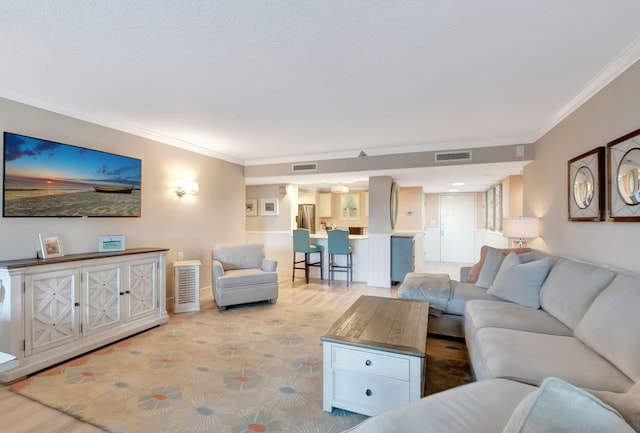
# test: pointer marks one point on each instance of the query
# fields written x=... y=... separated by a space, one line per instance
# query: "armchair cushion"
x=239 y=256
x=246 y=277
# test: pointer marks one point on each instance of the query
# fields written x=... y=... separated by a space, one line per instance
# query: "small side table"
x=186 y=286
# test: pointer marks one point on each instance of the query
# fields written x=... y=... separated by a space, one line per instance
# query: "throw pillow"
x=520 y=282
x=492 y=261
x=474 y=272
x=484 y=279
x=559 y=406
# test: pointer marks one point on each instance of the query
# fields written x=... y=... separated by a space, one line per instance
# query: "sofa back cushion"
x=611 y=326
x=570 y=289
x=520 y=282
x=241 y=256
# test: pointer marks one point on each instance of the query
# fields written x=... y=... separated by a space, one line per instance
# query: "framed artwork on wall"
x=586 y=194
x=251 y=207
x=623 y=163
x=491 y=210
x=484 y=210
x=269 y=206
x=498 y=205
x=350 y=206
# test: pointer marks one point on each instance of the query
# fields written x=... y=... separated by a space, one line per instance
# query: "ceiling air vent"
x=309 y=166
x=464 y=155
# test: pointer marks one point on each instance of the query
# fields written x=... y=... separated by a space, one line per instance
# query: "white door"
x=457 y=228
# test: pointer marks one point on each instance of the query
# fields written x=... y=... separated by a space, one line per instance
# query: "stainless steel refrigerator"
x=307 y=217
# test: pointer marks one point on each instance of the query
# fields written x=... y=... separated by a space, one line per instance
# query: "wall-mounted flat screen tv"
x=43 y=178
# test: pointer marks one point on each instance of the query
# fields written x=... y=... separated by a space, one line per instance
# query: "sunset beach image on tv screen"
x=47 y=179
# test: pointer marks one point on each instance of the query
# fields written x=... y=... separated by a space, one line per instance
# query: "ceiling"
x=257 y=81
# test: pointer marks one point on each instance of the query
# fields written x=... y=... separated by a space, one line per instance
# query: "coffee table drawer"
x=370 y=362
x=374 y=393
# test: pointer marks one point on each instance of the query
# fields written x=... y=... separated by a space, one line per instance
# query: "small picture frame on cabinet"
x=50 y=246
x=111 y=243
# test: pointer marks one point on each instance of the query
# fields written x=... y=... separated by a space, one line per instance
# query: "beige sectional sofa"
x=569 y=342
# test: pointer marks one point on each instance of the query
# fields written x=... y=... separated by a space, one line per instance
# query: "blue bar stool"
x=302 y=244
x=339 y=244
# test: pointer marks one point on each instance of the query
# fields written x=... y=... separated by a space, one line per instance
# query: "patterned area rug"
x=254 y=368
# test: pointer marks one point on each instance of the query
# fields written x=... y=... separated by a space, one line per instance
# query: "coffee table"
x=374 y=355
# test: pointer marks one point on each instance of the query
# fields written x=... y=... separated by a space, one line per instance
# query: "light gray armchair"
x=241 y=274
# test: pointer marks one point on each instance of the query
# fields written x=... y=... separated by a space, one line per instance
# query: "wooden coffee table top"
x=394 y=325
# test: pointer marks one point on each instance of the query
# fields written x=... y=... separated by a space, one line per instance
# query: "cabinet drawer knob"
x=367 y=362
x=121 y=293
x=128 y=291
x=369 y=393
x=77 y=304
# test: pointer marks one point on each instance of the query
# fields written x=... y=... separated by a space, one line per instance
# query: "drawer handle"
x=367 y=362
x=369 y=393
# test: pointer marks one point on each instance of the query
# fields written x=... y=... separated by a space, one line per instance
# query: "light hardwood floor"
x=21 y=415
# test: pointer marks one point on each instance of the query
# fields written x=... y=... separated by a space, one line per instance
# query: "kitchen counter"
x=360 y=255
x=325 y=236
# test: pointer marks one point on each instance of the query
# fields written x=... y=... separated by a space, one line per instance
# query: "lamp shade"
x=521 y=227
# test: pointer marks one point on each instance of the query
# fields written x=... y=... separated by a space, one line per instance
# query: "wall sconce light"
x=521 y=228
x=182 y=187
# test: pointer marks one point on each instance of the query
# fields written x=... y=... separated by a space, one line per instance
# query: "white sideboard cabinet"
x=52 y=310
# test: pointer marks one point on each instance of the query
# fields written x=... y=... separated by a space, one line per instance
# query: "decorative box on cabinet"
x=54 y=309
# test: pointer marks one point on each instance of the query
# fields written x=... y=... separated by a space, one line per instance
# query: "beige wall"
x=410 y=209
x=270 y=223
x=190 y=224
x=611 y=113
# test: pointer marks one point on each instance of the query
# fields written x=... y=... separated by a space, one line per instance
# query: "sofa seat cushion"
x=463 y=292
x=571 y=287
x=531 y=357
x=627 y=405
x=246 y=277
x=492 y=314
x=559 y=406
x=480 y=407
x=611 y=326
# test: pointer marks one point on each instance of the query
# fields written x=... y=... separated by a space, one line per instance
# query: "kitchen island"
x=360 y=255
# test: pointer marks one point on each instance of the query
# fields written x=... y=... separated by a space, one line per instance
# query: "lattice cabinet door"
x=142 y=283
x=51 y=310
x=103 y=294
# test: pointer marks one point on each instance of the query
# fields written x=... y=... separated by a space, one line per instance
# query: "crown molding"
x=612 y=71
x=118 y=126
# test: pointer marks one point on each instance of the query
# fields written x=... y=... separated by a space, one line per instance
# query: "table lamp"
x=521 y=228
